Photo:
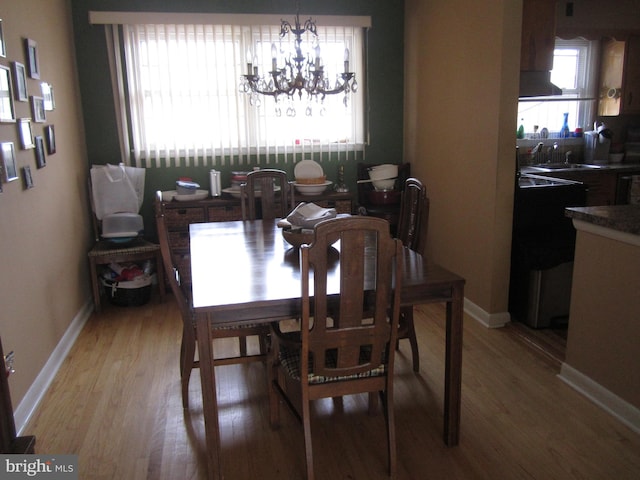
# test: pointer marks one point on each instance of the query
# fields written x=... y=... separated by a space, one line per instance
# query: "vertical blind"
x=177 y=88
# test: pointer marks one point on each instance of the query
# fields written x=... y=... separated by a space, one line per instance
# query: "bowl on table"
x=311 y=188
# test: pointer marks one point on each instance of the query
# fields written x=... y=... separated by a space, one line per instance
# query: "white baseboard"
x=38 y=388
x=608 y=401
x=489 y=320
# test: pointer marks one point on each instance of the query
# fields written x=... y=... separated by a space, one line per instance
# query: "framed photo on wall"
x=37 y=109
x=28 y=179
x=25 y=133
x=47 y=95
x=40 y=158
x=3 y=46
x=50 y=138
x=20 y=82
x=6 y=97
x=8 y=153
x=31 y=50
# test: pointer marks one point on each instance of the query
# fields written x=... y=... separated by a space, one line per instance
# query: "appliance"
x=300 y=73
x=537 y=84
x=596 y=146
x=543 y=244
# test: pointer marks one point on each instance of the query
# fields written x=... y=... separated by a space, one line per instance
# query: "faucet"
x=535 y=150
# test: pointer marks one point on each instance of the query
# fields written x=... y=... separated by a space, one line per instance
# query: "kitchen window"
x=180 y=102
x=575 y=72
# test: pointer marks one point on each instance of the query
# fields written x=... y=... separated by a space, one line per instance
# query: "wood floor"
x=116 y=403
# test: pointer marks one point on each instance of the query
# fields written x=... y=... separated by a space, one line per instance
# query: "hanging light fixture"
x=301 y=75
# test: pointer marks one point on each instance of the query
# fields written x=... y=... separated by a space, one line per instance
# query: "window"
x=574 y=71
x=181 y=98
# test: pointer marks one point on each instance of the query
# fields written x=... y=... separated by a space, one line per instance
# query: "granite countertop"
x=622 y=218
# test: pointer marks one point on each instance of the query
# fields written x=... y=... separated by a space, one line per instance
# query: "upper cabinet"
x=536 y=51
x=538 y=35
x=620 y=77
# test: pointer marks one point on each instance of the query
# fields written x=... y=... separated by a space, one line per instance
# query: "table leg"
x=453 y=368
x=209 y=400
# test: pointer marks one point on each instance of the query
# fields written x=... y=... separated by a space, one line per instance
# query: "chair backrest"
x=355 y=331
x=273 y=191
x=180 y=286
x=414 y=215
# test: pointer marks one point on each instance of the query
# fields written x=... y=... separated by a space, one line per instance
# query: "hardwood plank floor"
x=116 y=403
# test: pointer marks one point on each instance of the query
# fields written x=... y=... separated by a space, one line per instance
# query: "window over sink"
x=575 y=71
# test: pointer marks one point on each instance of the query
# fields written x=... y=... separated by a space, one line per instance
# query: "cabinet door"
x=611 y=68
x=538 y=35
x=631 y=79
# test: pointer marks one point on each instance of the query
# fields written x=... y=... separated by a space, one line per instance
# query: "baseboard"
x=608 y=401
x=489 y=320
x=38 y=388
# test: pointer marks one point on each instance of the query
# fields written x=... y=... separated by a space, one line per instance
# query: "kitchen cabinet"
x=620 y=77
x=601 y=184
x=538 y=35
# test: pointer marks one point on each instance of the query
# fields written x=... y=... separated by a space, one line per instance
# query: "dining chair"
x=345 y=344
x=270 y=189
x=181 y=287
x=412 y=231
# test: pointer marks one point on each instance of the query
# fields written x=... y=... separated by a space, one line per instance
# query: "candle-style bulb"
x=274 y=57
x=346 y=60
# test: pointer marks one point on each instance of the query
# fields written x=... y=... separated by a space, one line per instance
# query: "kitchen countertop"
x=605 y=167
x=621 y=218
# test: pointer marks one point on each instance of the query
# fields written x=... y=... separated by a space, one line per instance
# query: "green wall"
x=385 y=62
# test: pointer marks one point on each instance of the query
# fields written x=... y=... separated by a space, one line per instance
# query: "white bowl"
x=383 y=172
x=386 y=184
x=311 y=189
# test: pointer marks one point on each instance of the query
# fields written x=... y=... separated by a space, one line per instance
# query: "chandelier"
x=300 y=74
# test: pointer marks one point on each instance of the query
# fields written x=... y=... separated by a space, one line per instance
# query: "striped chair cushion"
x=290 y=360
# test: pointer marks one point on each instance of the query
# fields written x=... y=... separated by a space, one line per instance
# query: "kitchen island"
x=603 y=345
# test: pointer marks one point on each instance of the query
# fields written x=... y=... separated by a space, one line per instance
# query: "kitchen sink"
x=548 y=167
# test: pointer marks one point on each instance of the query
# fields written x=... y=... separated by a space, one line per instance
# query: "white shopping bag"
x=116 y=189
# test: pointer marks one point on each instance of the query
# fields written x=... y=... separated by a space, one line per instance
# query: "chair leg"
x=391 y=431
x=274 y=400
x=187 y=355
x=409 y=331
x=306 y=423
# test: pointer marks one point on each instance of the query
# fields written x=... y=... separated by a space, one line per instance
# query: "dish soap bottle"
x=564 y=131
x=520 y=132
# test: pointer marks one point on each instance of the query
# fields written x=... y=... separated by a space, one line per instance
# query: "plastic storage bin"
x=131 y=293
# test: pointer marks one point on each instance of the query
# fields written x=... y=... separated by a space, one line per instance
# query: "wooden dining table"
x=245 y=272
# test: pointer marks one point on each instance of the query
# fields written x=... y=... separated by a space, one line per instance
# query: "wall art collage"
x=19 y=73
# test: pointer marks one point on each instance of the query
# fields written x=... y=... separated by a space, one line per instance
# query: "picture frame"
x=8 y=154
x=37 y=109
x=47 y=95
x=41 y=161
x=28 y=178
x=50 y=139
x=31 y=51
x=3 y=46
x=25 y=133
x=20 y=82
x=6 y=97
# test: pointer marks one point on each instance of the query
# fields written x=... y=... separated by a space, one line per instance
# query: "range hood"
x=537 y=84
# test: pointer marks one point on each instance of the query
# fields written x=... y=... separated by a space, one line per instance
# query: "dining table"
x=245 y=272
